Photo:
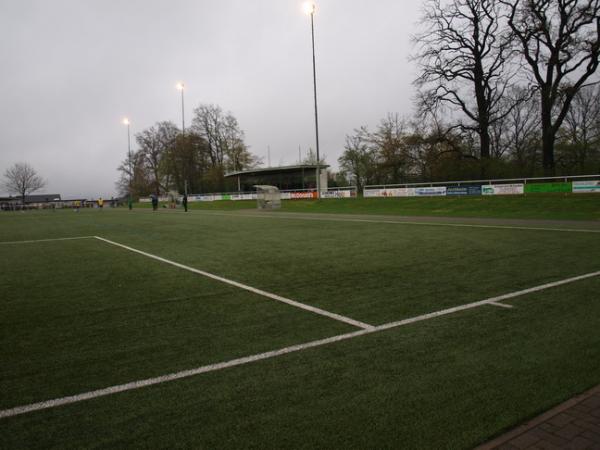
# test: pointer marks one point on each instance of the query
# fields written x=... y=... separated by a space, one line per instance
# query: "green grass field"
x=531 y=206
x=82 y=315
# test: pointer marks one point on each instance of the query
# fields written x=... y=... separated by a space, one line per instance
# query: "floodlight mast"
x=181 y=87
x=310 y=9
x=127 y=122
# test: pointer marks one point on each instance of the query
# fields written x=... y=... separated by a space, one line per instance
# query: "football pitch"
x=238 y=329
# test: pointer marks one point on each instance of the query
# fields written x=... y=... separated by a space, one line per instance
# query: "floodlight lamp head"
x=180 y=86
x=126 y=121
x=309 y=8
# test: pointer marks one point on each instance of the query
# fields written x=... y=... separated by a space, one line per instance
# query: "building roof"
x=265 y=187
x=272 y=170
x=34 y=198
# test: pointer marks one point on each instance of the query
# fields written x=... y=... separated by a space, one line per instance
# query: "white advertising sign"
x=503 y=189
x=586 y=186
x=236 y=197
x=407 y=192
x=430 y=191
x=371 y=193
x=336 y=194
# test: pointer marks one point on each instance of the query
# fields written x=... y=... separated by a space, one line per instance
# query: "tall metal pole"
x=129 y=200
x=312 y=29
x=182 y=112
x=181 y=87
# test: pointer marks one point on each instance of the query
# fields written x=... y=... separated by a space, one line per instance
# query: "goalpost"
x=268 y=197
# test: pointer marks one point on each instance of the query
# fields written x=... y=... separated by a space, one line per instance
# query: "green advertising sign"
x=548 y=187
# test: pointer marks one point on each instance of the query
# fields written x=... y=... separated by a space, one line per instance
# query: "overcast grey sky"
x=72 y=69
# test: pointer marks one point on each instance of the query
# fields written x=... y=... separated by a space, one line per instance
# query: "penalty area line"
x=245 y=287
x=274 y=353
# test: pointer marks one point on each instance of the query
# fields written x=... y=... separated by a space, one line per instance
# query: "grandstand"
x=298 y=177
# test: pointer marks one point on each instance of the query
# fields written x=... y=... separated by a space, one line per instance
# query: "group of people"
x=153 y=197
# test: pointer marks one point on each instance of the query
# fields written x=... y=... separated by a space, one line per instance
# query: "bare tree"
x=134 y=176
x=523 y=136
x=358 y=162
x=463 y=61
x=237 y=155
x=393 y=153
x=224 y=137
x=580 y=134
x=155 y=143
x=517 y=137
x=208 y=122
x=22 y=179
x=560 y=43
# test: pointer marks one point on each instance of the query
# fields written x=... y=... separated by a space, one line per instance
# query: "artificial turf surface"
x=530 y=206
x=81 y=315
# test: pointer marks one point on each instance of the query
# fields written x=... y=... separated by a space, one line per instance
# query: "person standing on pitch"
x=154 y=202
x=184 y=202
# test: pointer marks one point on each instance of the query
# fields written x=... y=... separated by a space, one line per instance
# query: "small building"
x=286 y=178
x=15 y=201
x=42 y=198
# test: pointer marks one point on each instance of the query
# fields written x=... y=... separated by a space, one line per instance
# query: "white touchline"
x=272 y=354
x=279 y=298
x=501 y=305
x=46 y=240
x=299 y=216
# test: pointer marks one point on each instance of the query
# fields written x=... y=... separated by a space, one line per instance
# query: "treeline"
x=505 y=88
x=167 y=157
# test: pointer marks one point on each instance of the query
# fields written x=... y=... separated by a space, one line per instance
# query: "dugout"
x=285 y=178
x=268 y=197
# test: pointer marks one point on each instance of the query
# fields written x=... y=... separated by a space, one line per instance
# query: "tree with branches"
x=358 y=162
x=464 y=63
x=559 y=42
x=155 y=144
x=22 y=179
x=578 y=139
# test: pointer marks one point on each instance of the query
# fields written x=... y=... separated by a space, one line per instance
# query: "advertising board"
x=337 y=194
x=503 y=189
x=430 y=191
x=463 y=190
x=302 y=195
x=391 y=192
x=538 y=188
x=399 y=192
x=237 y=197
x=586 y=186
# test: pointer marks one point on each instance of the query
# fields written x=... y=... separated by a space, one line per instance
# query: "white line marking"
x=46 y=240
x=400 y=222
x=174 y=376
x=279 y=298
x=272 y=354
x=501 y=305
x=487 y=301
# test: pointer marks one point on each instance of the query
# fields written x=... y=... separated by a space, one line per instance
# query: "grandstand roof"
x=280 y=169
